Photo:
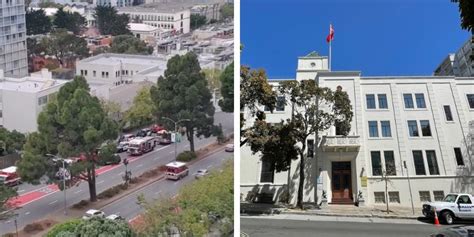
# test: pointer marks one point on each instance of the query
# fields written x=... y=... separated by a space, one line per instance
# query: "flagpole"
x=330 y=41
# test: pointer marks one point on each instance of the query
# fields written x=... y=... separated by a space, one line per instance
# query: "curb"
x=355 y=215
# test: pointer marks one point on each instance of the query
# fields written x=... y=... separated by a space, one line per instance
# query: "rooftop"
x=36 y=82
x=108 y=59
x=141 y=27
x=168 y=6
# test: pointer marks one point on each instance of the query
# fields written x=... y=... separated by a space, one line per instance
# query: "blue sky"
x=376 y=37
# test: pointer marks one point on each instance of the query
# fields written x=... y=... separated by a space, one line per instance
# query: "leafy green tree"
x=37 y=22
x=109 y=22
x=72 y=125
x=227 y=89
x=197 y=21
x=11 y=141
x=112 y=109
x=129 y=44
x=48 y=3
x=63 y=228
x=466 y=10
x=70 y=21
x=65 y=46
x=227 y=11
x=183 y=93
x=213 y=78
x=141 y=112
x=6 y=194
x=103 y=227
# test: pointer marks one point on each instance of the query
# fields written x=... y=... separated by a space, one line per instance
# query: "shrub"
x=33 y=227
x=80 y=204
x=110 y=192
x=9 y=235
x=68 y=226
x=186 y=156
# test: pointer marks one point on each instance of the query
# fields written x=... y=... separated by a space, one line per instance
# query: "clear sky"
x=376 y=37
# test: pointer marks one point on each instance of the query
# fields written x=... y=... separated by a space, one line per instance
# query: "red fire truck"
x=9 y=176
x=142 y=145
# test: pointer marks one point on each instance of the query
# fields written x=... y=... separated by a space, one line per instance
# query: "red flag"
x=331 y=34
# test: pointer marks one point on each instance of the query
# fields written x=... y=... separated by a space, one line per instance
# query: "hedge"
x=186 y=156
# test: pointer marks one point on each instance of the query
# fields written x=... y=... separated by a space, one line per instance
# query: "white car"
x=229 y=148
x=454 y=206
x=114 y=217
x=93 y=213
x=201 y=173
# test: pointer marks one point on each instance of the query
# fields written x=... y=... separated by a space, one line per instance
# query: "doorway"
x=341 y=183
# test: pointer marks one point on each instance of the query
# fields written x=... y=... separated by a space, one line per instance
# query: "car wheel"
x=447 y=217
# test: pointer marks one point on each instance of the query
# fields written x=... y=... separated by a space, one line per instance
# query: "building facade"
x=413 y=129
x=458 y=64
x=160 y=16
x=13 y=60
x=113 y=3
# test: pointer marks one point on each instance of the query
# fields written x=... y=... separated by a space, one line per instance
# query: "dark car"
x=144 y=132
x=114 y=160
x=458 y=231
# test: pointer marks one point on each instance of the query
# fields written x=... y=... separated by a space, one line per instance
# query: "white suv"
x=93 y=213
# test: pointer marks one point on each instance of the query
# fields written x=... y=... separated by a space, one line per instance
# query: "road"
x=326 y=226
x=45 y=199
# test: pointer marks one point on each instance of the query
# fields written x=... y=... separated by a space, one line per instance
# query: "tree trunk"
x=302 y=173
x=386 y=193
x=190 y=134
x=91 y=182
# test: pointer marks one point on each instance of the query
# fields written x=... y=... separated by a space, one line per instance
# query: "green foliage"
x=213 y=78
x=197 y=21
x=70 y=21
x=92 y=227
x=183 y=93
x=64 y=45
x=227 y=89
x=68 y=226
x=110 y=192
x=33 y=227
x=6 y=194
x=227 y=11
x=72 y=124
x=34 y=47
x=466 y=10
x=109 y=22
x=11 y=141
x=141 y=112
x=112 y=109
x=48 y=4
x=37 y=22
x=129 y=44
x=186 y=156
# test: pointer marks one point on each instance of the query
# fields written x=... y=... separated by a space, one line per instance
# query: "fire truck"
x=9 y=176
x=141 y=145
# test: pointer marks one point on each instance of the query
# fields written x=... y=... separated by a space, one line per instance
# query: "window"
x=310 y=148
x=393 y=197
x=42 y=100
x=464 y=199
x=379 y=197
x=432 y=163
x=382 y=101
x=389 y=163
x=267 y=171
x=93 y=73
x=438 y=196
x=425 y=128
x=82 y=72
x=103 y=74
x=413 y=128
x=376 y=163
x=373 y=129
x=470 y=100
x=447 y=113
x=459 y=158
x=425 y=196
x=419 y=163
x=420 y=101
x=1 y=114
x=408 y=99
x=386 y=132
x=280 y=105
x=370 y=101
x=85 y=72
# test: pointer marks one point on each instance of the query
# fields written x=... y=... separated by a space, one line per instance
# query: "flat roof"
x=176 y=164
x=168 y=6
x=108 y=59
x=28 y=84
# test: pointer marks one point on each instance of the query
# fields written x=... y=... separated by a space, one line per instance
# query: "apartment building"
x=458 y=64
x=13 y=59
x=113 y=3
x=413 y=129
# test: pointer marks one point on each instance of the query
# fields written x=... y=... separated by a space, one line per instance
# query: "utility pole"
x=176 y=132
x=409 y=187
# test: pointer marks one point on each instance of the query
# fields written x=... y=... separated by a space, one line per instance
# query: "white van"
x=176 y=170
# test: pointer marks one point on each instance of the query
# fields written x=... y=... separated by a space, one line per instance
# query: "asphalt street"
x=40 y=208
x=325 y=226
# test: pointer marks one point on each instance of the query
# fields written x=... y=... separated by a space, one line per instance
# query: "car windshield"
x=450 y=198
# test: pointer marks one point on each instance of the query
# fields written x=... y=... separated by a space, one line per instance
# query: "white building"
x=144 y=32
x=13 y=59
x=420 y=122
x=458 y=64
x=113 y=3
x=21 y=100
x=161 y=16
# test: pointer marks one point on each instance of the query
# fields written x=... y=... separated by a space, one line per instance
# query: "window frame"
x=384 y=130
x=385 y=101
x=460 y=156
x=468 y=99
x=367 y=101
x=263 y=173
x=421 y=169
x=432 y=162
x=376 y=128
x=422 y=99
x=423 y=131
x=373 y=168
x=394 y=170
x=410 y=131
x=446 y=114
x=411 y=101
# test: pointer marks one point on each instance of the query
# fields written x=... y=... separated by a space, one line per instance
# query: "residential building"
x=13 y=59
x=144 y=32
x=113 y=3
x=414 y=129
x=458 y=64
x=22 y=99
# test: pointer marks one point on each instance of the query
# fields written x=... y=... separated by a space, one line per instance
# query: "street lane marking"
x=27 y=213
x=20 y=191
x=100 y=182
x=76 y=192
x=138 y=166
x=53 y=202
x=171 y=152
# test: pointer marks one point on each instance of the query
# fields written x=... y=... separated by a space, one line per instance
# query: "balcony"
x=340 y=143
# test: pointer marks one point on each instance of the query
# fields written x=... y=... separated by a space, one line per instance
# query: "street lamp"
x=176 y=132
x=63 y=176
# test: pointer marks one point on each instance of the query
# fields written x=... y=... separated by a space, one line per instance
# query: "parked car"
x=122 y=146
x=93 y=213
x=229 y=148
x=115 y=159
x=457 y=231
x=144 y=132
x=201 y=173
x=454 y=206
x=126 y=137
x=114 y=217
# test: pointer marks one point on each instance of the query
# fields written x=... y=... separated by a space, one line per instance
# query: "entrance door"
x=341 y=183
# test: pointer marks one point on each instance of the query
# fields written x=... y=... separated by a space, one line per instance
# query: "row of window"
x=414 y=128
x=394 y=196
x=153 y=17
x=106 y=74
x=418 y=103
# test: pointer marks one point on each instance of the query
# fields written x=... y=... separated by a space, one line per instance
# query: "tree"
x=112 y=109
x=48 y=4
x=92 y=227
x=183 y=93
x=110 y=22
x=466 y=10
x=141 y=112
x=37 y=22
x=227 y=11
x=72 y=125
x=70 y=21
x=6 y=194
x=197 y=21
x=213 y=78
x=65 y=46
x=129 y=44
x=227 y=89
x=11 y=141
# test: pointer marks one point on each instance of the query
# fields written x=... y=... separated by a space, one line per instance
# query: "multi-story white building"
x=414 y=128
x=13 y=59
x=113 y=3
x=458 y=64
x=161 y=16
x=21 y=100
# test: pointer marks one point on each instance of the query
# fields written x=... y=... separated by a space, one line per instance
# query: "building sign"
x=363 y=181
